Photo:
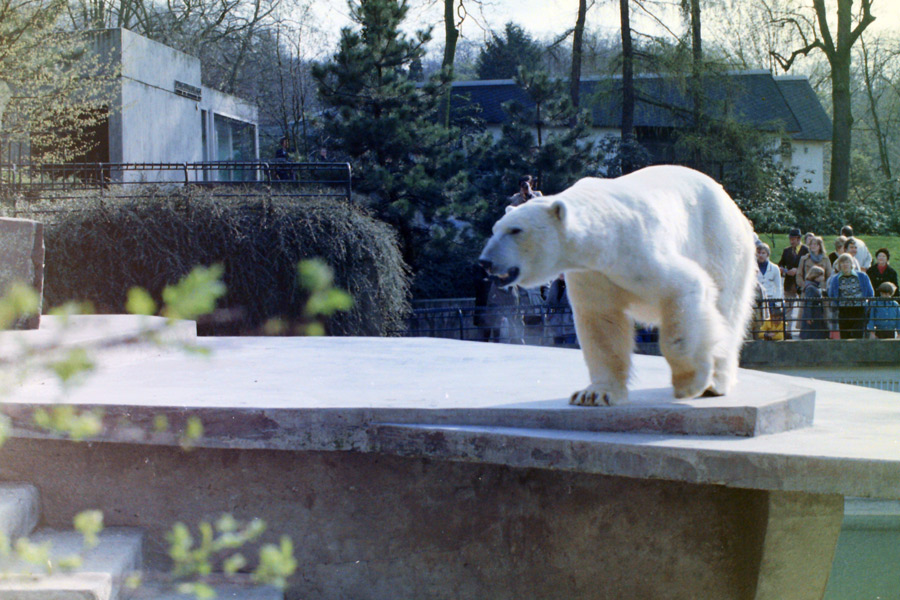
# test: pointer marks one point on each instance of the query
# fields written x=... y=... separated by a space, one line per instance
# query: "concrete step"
x=19 y=509
x=100 y=577
x=224 y=591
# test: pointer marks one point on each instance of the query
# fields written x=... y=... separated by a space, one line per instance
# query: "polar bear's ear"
x=558 y=210
x=510 y=208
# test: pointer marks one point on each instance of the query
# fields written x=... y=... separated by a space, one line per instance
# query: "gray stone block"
x=101 y=575
x=224 y=591
x=22 y=260
x=19 y=509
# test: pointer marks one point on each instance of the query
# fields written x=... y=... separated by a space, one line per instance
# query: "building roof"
x=753 y=97
x=815 y=124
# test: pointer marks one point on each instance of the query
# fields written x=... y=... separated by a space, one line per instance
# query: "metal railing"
x=554 y=326
x=282 y=178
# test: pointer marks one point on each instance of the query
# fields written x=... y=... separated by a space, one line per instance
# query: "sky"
x=543 y=19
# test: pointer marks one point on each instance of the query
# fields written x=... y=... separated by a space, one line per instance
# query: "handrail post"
x=349 y=181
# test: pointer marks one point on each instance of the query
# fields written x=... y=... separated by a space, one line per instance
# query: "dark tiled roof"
x=815 y=123
x=753 y=97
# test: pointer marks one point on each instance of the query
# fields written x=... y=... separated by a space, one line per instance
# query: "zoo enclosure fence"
x=543 y=325
x=47 y=181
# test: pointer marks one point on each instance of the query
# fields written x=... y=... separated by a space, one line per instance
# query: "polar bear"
x=665 y=245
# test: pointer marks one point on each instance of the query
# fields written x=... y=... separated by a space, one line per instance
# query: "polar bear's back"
x=672 y=208
x=663 y=212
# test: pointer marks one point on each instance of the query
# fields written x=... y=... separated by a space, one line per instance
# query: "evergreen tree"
x=546 y=136
x=386 y=125
x=502 y=57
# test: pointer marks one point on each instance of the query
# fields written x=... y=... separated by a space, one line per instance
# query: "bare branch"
x=865 y=20
x=786 y=63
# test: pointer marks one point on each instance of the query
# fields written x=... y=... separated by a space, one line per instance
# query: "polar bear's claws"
x=589 y=397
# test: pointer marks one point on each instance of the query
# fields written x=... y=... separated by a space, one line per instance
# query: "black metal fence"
x=282 y=178
x=774 y=320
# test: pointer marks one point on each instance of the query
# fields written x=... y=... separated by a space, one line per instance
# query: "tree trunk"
x=628 y=96
x=451 y=37
x=577 y=41
x=883 y=152
x=696 y=65
x=841 y=130
x=842 y=124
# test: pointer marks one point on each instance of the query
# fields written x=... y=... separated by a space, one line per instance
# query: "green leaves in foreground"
x=19 y=302
x=195 y=295
x=89 y=523
x=324 y=300
x=195 y=558
x=65 y=419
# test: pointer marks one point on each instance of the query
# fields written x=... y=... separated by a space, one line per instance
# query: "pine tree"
x=546 y=137
x=386 y=125
x=502 y=57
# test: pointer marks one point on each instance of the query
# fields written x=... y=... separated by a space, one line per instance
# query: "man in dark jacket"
x=790 y=260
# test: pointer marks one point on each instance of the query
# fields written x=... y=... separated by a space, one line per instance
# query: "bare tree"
x=876 y=73
x=815 y=33
x=691 y=8
x=628 y=96
x=219 y=32
x=577 y=52
x=451 y=37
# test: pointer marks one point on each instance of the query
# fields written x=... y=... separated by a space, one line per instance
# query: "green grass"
x=873 y=243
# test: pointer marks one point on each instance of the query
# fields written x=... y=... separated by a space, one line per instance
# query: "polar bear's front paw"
x=598 y=395
x=690 y=384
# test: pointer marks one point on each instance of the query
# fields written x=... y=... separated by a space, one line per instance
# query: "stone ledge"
x=821 y=353
x=478 y=402
x=22 y=260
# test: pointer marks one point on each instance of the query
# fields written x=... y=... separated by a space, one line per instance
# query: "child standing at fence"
x=884 y=313
x=773 y=328
x=812 y=321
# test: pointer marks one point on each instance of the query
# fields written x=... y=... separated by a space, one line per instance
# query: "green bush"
x=98 y=248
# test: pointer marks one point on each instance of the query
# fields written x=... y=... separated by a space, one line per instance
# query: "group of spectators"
x=810 y=295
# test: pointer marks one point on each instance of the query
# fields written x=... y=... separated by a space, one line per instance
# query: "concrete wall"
x=151 y=123
x=870 y=363
x=156 y=125
x=370 y=526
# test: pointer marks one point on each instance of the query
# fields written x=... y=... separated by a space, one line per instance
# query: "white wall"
x=808 y=157
x=149 y=122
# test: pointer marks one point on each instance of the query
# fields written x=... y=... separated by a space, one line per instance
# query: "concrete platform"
x=444 y=469
x=495 y=403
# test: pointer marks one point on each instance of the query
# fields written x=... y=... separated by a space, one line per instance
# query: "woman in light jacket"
x=768 y=274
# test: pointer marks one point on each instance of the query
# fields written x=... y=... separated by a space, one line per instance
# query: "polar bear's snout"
x=495 y=259
x=501 y=276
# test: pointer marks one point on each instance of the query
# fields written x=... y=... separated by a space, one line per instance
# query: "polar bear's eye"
x=515 y=231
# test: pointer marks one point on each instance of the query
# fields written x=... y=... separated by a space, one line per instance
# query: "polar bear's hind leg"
x=690 y=332
x=735 y=305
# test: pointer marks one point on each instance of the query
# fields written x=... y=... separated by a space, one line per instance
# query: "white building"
x=159 y=112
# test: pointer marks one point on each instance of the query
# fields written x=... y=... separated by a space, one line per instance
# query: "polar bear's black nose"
x=485 y=264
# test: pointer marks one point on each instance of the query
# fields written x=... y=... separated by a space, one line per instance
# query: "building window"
x=786 y=151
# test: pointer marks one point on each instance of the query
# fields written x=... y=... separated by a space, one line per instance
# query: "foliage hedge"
x=98 y=248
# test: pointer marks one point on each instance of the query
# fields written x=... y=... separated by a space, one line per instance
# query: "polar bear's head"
x=526 y=246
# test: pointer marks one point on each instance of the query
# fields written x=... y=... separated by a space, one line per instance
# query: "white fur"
x=664 y=245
